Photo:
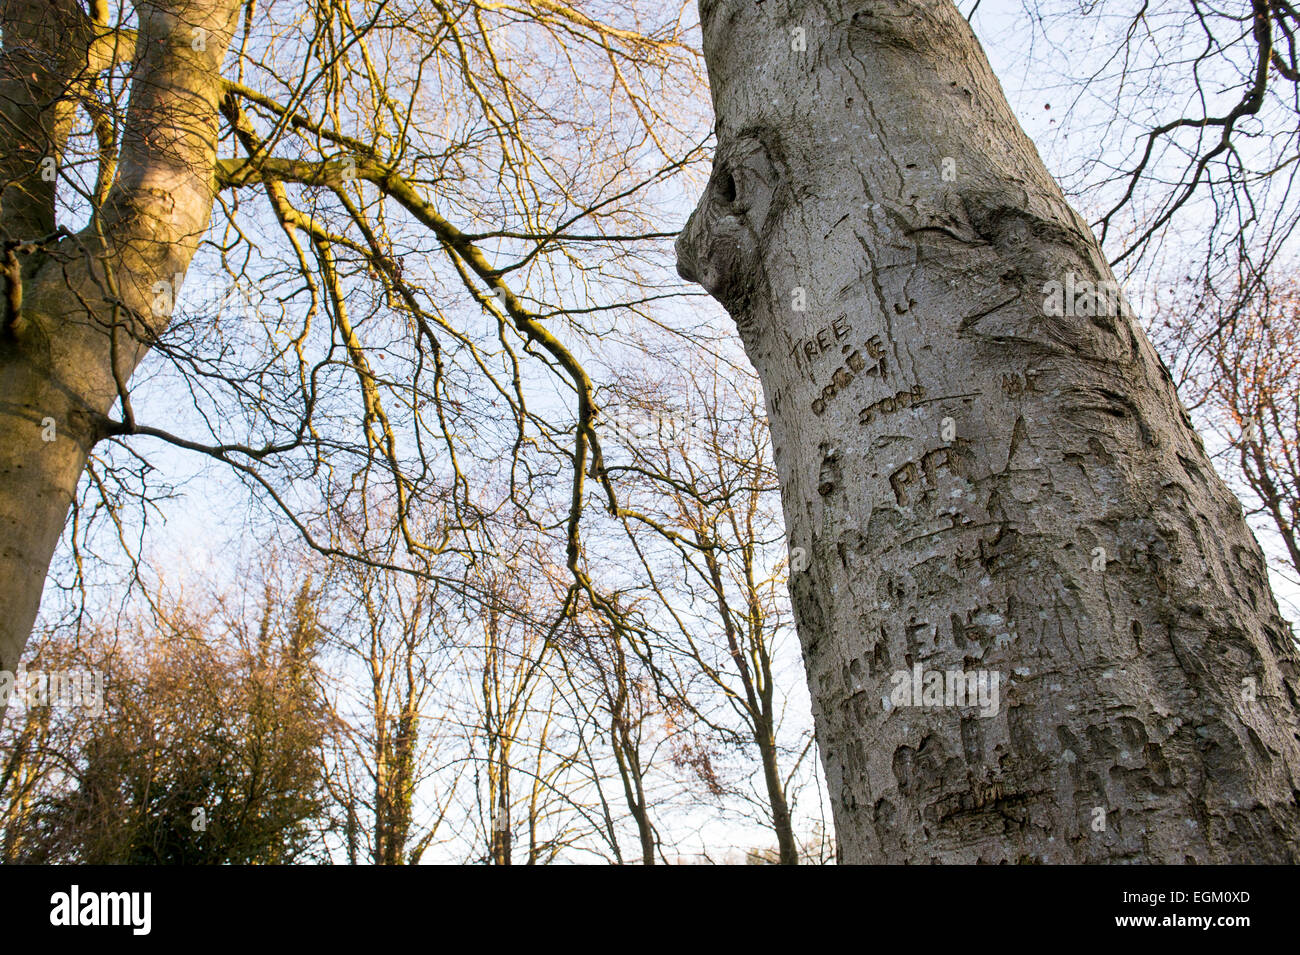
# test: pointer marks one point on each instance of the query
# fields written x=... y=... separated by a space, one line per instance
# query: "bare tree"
x=1236 y=351
x=402 y=246
x=699 y=456
x=389 y=775
x=77 y=312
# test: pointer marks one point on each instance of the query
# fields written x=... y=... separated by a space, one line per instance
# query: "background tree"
x=209 y=750
x=389 y=633
x=1238 y=372
x=77 y=315
x=695 y=460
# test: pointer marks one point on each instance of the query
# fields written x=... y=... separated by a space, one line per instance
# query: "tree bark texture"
x=985 y=469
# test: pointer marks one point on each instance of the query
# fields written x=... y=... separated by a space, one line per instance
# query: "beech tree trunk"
x=79 y=310
x=985 y=469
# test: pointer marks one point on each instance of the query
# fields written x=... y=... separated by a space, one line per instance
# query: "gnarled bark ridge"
x=986 y=471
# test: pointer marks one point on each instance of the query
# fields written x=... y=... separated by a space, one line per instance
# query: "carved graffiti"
x=855 y=364
x=1014 y=385
x=898 y=402
x=806 y=350
x=915 y=478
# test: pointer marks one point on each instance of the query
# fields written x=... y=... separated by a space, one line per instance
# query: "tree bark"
x=973 y=483
x=79 y=309
x=787 y=847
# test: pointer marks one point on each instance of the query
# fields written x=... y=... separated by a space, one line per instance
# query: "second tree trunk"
x=1035 y=624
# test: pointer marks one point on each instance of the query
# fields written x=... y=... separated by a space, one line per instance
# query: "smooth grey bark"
x=974 y=483
x=78 y=309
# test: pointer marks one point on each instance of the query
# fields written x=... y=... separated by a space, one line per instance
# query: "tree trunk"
x=79 y=311
x=38 y=478
x=787 y=848
x=984 y=474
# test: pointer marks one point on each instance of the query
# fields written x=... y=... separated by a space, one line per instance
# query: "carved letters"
x=854 y=365
x=898 y=402
x=911 y=481
x=805 y=350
